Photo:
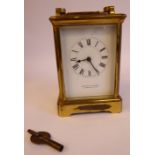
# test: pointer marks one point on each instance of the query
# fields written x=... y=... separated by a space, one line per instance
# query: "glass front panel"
x=88 y=59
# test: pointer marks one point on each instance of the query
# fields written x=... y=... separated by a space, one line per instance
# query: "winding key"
x=43 y=137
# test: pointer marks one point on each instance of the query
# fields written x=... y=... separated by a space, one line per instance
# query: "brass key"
x=43 y=137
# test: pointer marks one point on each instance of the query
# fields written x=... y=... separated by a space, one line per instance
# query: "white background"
x=142 y=77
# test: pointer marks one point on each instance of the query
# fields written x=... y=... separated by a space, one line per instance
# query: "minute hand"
x=89 y=60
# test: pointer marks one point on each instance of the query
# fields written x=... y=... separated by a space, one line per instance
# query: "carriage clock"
x=88 y=47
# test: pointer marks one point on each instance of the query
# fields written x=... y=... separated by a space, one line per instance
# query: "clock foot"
x=72 y=107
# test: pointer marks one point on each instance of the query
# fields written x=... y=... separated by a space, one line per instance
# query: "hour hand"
x=81 y=60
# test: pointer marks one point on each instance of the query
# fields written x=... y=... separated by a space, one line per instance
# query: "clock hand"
x=81 y=60
x=89 y=60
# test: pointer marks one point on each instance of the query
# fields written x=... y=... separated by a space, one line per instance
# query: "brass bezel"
x=113 y=103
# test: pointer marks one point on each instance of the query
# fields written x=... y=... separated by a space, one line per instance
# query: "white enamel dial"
x=88 y=60
x=89 y=57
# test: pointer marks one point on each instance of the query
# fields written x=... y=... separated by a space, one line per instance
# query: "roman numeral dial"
x=88 y=57
x=76 y=66
x=88 y=42
x=80 y=44
x=73 y=59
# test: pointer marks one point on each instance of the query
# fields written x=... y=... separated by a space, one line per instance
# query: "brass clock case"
x=110 y=104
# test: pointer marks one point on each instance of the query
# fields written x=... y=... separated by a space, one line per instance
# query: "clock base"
x=71 y=107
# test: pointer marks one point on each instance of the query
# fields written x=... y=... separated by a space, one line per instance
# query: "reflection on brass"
x=92 y=112
x=60 y=11
x=69 y=106
x=109 y=9
x=94 y=107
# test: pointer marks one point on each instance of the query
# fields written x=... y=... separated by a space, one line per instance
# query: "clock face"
x=88 y=60
x=89 y=57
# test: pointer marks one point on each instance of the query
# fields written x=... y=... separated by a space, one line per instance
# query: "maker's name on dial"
x=90 y=86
